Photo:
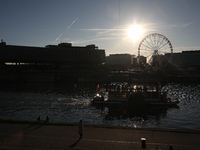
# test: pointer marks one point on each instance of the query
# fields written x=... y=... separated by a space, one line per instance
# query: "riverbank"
x=96 y=76
x=47 y=135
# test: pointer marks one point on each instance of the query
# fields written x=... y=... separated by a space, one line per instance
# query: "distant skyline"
x=104 y=23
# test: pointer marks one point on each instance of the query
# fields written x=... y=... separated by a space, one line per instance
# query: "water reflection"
x=70 y=103
x=142 y=113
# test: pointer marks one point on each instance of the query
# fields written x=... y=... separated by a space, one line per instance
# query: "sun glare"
x=135 y=31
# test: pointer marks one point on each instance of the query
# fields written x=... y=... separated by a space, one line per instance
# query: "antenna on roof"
x=119 y=25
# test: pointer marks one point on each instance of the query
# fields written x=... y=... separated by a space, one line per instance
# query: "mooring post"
x=143 y=143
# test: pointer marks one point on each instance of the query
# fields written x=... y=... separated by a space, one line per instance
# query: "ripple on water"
x=70 y=108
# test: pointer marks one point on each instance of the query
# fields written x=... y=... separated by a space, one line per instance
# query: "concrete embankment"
x=65 y=136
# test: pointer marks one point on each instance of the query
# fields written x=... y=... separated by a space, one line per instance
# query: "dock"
x=32 y=136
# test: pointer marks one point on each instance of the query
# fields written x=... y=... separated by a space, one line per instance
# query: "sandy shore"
x=65 y=136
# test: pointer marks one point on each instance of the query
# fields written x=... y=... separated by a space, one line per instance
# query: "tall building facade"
x=63 y=53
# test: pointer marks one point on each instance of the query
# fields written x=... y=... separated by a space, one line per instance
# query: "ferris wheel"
x=157 y=49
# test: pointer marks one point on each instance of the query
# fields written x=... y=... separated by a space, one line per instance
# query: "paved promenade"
x=63 y=137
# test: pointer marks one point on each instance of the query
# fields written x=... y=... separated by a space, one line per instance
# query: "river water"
x=70 y=103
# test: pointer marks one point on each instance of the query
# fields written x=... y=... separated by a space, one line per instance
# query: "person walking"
x=47 y=119
x=39 y=118
x=80 y=128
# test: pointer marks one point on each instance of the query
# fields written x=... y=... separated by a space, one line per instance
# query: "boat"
x=133 y=97
x=158 y=98
x=106 y=98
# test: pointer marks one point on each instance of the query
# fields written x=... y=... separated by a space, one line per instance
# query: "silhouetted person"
x=80 y=128
x=47 y=118
x=39 y=118
x=80 y=132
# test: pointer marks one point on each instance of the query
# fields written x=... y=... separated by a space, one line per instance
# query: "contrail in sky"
x=67 y=29
x=58 y=37
x=72 y=23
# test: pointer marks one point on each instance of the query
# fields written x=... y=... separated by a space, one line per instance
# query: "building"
x=134 y=61
x=118 y=60
x=61 y=54
x=185 y=59
x=191 y=58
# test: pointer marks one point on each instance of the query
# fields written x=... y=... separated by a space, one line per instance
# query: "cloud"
x=155 y=27
x=92 y=40
x=72 y=23
x=182 y=25
x=59 y=37
x=116 y=34
x=160 y=10
x=107 y=32
x=102 y=31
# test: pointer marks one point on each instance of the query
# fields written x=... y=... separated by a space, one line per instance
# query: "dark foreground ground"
x=33 y=136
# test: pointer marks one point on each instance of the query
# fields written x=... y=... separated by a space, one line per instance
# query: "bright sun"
x=135 y=31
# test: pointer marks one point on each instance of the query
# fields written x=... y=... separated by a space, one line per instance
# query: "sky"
x=104 y=23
